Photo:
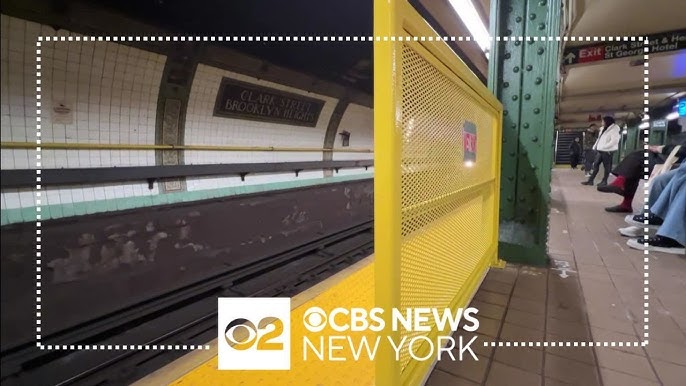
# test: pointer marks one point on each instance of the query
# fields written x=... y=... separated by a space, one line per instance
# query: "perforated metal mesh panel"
x=446 y=206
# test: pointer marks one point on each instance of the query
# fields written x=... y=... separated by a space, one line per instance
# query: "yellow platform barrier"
x=436 y=196
x=437 y=133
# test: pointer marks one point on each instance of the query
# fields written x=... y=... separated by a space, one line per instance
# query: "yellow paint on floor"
x=356 y=289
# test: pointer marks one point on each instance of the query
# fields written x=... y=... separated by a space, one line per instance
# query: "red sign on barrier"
x=469 y=142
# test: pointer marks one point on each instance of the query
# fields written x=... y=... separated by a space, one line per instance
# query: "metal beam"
x=523 y=75
x=639 y=90
x=621 y=109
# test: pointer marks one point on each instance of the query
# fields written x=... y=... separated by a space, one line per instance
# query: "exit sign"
x=620 y=48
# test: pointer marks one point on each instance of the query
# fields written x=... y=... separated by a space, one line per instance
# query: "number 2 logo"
x=268 y=329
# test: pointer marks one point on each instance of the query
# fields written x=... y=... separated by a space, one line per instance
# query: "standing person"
x=590 y=137
x=574 y=152
x=606 y=145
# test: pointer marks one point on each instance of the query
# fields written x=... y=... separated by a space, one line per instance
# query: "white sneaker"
x=631 y=231
x=655 y=244
x=631 y=220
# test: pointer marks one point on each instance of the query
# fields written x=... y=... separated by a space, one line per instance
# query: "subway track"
x=185 y=316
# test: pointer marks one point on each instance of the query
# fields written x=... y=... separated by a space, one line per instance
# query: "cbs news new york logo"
x=254 y=333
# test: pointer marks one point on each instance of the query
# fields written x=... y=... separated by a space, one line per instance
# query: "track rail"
x=186 y=316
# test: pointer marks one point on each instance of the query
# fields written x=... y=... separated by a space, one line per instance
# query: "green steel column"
x=523 y=75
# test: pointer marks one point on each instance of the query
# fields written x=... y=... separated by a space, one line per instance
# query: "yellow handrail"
x=130 y=146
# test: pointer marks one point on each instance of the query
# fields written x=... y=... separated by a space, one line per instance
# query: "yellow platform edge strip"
x=200 y=367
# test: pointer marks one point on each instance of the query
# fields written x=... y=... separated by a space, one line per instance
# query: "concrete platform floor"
x=593 y=294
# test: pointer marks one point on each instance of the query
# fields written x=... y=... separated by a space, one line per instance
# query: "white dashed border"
x=357 y=38
x=646 y=177
x=42 y=346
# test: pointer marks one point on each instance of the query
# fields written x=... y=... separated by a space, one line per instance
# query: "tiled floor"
x=593 y=292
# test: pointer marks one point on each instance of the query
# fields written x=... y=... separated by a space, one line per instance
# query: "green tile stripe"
x=18 y=215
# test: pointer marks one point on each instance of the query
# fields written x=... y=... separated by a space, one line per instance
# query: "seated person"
x=637 y=222
x=630 y=171
x=668 y=210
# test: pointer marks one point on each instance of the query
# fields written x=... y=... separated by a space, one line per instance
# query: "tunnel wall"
x=113 y=92
x=202 y=128
x=359 y=122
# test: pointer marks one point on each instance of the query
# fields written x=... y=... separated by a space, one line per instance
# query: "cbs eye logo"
x=242 y=334
x=315 y=319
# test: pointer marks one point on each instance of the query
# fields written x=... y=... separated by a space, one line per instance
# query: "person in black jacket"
x=574 y=153
x=590 y=136
x=630 y=171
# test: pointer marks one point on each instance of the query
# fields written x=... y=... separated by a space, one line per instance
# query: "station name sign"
x=662 y=42
x=242 y=100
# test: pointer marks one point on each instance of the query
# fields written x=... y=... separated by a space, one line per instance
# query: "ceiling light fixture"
x=644 y=125
x=470 y=17
x=672 y=116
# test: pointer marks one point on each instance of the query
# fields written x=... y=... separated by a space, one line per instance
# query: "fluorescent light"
x=625 y=131
x=646 y=117
x=672 y=116
x=644 y=125
x=469 y=164
x=470 y=17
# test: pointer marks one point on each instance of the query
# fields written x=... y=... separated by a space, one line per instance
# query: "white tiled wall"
x=112 y=90
x=202 y=128
x=359 y=122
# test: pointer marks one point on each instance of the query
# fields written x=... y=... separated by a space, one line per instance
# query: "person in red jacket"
x=630 y=171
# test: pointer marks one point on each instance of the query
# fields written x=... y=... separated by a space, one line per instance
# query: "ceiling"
x=347 y=63
x=628 y=17
x=615 y=87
